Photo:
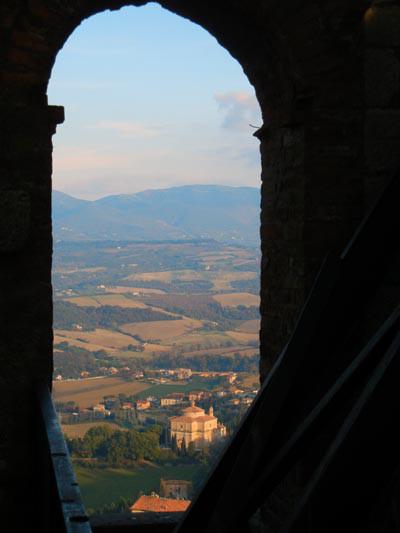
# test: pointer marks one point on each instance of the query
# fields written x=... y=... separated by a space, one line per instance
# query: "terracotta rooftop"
x=156 y=504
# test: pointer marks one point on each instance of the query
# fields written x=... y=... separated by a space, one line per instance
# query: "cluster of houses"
x=144 y=409
x=157 y=376
x=106 y=371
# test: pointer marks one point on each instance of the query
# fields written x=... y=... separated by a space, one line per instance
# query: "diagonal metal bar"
x=261 y=417
x=366 y=433
x=326 y=320
x=333 y=402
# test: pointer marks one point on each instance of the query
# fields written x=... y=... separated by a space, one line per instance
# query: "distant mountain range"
x=189 y=212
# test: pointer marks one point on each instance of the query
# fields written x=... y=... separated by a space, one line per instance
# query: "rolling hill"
x=189 y=212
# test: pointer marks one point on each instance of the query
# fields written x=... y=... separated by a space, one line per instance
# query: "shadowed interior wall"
x=326 y=75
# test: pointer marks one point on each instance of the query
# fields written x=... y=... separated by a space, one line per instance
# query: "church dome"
x=193 y=411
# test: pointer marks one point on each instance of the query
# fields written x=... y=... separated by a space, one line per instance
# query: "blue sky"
x=151 y=101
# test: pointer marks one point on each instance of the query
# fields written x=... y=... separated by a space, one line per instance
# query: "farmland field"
x=226 y=351
x=83 y=301
x=249 y=326
x=162 y=389
x=155 y=348
x=161 y=329
x=79 y=430
x=72 y=341
x=242 y=337
x=103 y=338
x=237 y=298
x=133 y=290
x=221 y=279
x=119 y=300
x=214 y=339
x=88 y=392
x=106 y=299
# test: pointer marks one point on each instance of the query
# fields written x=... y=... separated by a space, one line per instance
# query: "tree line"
x=70 y=361
x=67 y=315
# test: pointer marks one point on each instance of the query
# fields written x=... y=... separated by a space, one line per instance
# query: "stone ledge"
x=141 y=522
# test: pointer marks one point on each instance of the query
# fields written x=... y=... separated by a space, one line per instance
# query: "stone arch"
x=328 y=91
x=38 y=34
x=305 y=63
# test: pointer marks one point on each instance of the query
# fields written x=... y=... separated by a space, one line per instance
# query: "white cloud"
x=240 y=109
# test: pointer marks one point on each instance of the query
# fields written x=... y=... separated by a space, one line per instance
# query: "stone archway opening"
x=84 y=290
x=326 y=78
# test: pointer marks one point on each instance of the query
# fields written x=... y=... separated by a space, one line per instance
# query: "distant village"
x=190 y=419
x=144 y=410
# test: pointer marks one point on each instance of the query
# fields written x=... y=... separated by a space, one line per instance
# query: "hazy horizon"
x=160 y=189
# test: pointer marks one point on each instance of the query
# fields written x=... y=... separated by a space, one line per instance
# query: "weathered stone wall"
x=382 y=94
x=326 y=74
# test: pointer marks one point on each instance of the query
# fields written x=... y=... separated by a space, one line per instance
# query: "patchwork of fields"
x=118 y=300
x=220 y=279
x=123 y=310
x=135 y=302
x=88 y=392
x=99 y=339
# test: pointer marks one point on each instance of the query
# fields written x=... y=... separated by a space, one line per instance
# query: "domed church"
x=194 y=425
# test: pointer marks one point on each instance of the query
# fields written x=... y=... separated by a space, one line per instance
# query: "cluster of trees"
x=67 y=314
x=127 y=447
x=251 y=266
x=230 y=415
x=212 y=363
x=247 y=285
x=203 y=307
x=118 y=447
x=186 y=451
x=70 y=361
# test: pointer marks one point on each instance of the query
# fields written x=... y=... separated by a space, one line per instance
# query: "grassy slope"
x=102 y=486
x=165 y=388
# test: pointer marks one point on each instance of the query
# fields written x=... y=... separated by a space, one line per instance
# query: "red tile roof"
x=156 y=504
